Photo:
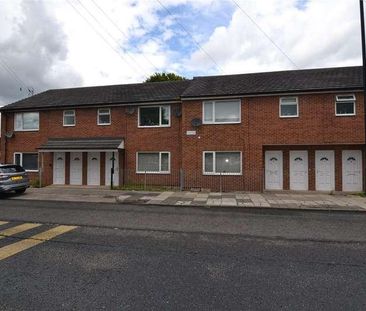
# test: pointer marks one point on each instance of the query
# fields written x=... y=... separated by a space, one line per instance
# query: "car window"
x=11 y=169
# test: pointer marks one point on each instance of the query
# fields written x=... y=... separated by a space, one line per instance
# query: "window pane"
x=148 y=162
x=227 y=112
x=227 y=162
x=165 y=162
x=208 y=112
x=30 y=121
x=69 y=113
x=30 y=161
x=17 y=159
x=345 y=108
x=288 y=110
x=18 y=121
x=149 y=116
x=104 y=111
x=209 y=162
x=165 y=115
x=104 y=119
x=69 y=120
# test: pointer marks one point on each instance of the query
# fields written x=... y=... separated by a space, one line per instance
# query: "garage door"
x=324 y=166
x=93 y=168
x=299 y=170
x=274 y=171
x=352 y=170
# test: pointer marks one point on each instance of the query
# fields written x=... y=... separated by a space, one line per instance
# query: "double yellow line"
x=34 y=240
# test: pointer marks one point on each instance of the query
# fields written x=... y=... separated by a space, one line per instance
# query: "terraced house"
x=289 y=130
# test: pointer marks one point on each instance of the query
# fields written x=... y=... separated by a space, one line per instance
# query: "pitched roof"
x=292 y=81
x=99 y=95
x=342 y=78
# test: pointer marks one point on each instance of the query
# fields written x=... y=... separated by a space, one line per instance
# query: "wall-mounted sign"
x=191 y=133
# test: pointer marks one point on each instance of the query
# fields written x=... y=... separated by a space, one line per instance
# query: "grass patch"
x=139 y=187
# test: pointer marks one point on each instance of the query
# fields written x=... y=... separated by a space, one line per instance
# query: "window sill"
x=36 y=130
x=346 y=115
x=222 y=174
x=65 y=125
x=103 y=124
x=289 y=117
x=32 y=171
x=220 y=123
x=154 y=173
x=152 y=126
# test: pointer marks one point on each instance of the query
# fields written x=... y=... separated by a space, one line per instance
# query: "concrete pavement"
x=305 y=201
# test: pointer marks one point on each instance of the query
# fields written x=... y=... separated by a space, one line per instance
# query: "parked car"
x=13 y=178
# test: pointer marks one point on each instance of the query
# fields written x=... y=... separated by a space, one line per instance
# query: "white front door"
x=352 y=170
x=76 y=168
x=94 y=168
x=108 y=166
x=273 y=170
x=324 y=166
x=299 y=170
x=59 y=168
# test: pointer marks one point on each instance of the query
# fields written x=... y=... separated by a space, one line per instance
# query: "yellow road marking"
x=17 y=229
x=39 y=238
x=3 y=222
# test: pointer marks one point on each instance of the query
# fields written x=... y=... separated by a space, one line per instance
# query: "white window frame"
x=25 y=130
x=338 y=99
x=21 y=160
x=157 y=172
x=104 y=114
x=214 y=163
x=288 y=104
x=63 y=119
x=213 y=111
x=160 y=116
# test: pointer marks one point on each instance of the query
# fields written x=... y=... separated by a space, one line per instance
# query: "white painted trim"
x=340 y=101
x=25 y=130
x=21 y=160
x=160 y=117
x=157 y=172
x=288 y=104
x=214 y=163
x=63 y=118
x=214 y=111
x=104 y=114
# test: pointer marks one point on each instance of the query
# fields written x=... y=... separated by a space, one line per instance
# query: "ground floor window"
x=29 y=161
x=153 y=162
x=216 y=162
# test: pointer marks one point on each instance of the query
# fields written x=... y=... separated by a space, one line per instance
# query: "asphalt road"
x=165 y=258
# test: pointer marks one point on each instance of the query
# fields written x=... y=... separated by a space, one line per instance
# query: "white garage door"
x=299 y=170
x=93 y=168
x=59 y=168
x=76 y=168
x=352 y=170
x=108 y=166
x=274 y=171
x=324 y=166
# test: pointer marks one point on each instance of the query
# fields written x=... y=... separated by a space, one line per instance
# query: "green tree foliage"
x=163 y=76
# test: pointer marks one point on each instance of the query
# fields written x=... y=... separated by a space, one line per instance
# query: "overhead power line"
x=193 y=39
x=99 y=34
x=265 y=34
x=122 y=32
x=110 y=35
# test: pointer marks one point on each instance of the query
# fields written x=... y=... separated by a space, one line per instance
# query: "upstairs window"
x=154 y=116
x=220 y=112
x=26 y=121
x=345 y=105
x=104 y=116
x=222 y=162
x=289 y=107
x=69 y=118
x=153 y=162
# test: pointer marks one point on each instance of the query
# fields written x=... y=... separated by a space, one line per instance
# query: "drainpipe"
x=362 y=18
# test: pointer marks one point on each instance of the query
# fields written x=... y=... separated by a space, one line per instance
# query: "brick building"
x=289 y=130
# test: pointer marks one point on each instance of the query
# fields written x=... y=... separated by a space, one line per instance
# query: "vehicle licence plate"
x=17 y=178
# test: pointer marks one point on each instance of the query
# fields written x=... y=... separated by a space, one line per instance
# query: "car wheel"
x=20 y=191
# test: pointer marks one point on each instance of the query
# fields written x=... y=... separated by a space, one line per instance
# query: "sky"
x=47 y=44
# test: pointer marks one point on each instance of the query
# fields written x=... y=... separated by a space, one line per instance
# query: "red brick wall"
x=260 y=126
